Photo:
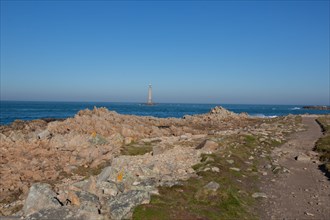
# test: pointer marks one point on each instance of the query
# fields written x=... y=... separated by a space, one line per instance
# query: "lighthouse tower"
x=150 y=95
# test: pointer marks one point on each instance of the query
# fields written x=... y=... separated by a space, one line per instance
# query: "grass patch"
x=192 y=201
x=89 y=171
x=134 y=149
x=323 y=144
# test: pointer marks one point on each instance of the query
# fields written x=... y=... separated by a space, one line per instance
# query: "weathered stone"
x=209 y=189
x=208 y=145
x=40 y=196
x=108 y=188
x=213 y=186
x=87 y=201
x=104 y=175
x=64 y=213
x=303 y=158
x=44 y=135
x=215 y=169
x=122 y=206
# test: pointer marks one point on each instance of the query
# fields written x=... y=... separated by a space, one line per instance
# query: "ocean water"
x=13 y=110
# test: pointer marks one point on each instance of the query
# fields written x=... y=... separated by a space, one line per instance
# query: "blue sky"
x=244 y=52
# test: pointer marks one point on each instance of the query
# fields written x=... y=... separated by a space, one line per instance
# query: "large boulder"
x=40 y=196
x=121 y=207
x=64 y=213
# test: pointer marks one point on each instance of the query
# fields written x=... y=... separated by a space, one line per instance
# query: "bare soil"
x=304 y=191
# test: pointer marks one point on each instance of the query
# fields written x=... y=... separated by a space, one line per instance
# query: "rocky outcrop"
x=316 y=107
x=128 y=182
x=40 y=196
x=70 y=155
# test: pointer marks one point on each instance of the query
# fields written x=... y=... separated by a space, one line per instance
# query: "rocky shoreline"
x=316 y=107
x=102 y=165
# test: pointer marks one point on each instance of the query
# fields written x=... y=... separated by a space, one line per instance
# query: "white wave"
x=263 y=116
x=295 y=108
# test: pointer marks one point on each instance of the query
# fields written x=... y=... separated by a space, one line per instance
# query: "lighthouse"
x=150 y=95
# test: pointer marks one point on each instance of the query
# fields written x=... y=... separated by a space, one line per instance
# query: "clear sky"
x=244 y=52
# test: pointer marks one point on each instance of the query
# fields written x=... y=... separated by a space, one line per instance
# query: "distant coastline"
x=317 y=107
x=25 y=110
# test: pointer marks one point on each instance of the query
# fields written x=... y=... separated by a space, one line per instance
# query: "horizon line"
x=135 y=102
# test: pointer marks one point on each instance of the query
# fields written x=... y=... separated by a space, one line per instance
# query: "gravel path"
x=303 y=192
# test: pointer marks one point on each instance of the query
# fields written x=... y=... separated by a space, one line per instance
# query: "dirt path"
x=304 y=191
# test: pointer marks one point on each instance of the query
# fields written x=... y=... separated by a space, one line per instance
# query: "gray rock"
x=44 y=135
x=303 y=158
x=108 y=188
x=88 y=202
x=40 y=196
x=64 y=213
x=122 y=206
x=212 y=186
x=104 y=175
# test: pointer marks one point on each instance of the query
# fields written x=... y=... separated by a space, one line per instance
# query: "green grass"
x=191 y=201
x=135 y=149
x=323 y=144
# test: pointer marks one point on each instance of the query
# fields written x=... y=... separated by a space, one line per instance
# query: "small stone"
x=235 y=169
x=268 y=166
x=215 y=169
x=251 y=158
x=303 y=158
x=44 y=135
x=230 y=161
x=308 y=214
x=259 y=195
x=213 y=186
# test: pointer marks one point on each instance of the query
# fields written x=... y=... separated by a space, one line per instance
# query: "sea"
x=26 y=110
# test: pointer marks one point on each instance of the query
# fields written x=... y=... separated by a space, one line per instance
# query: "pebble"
x=235 y=169
x=259 y=195
x=308 y=214
x=215 y=169
x=230 y=161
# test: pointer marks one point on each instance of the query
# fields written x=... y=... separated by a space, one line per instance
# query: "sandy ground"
x=303 y=192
